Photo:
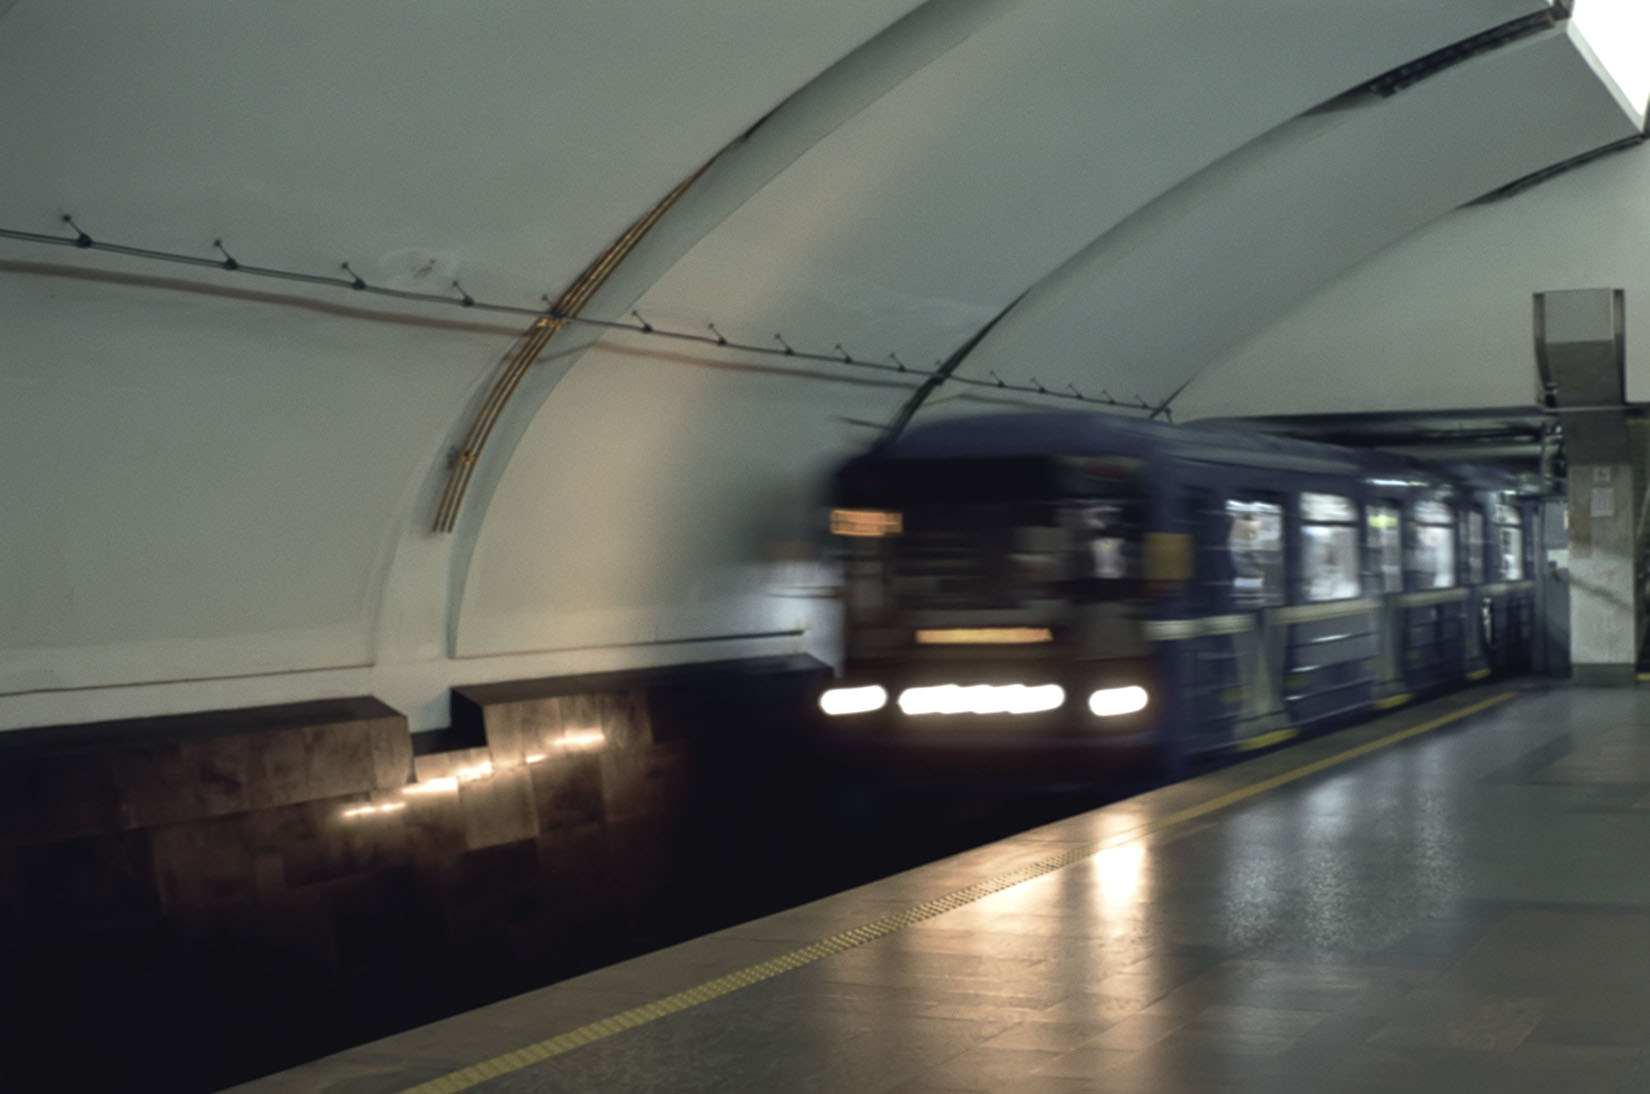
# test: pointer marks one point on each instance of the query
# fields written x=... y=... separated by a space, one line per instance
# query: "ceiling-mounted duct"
x=1581 y=356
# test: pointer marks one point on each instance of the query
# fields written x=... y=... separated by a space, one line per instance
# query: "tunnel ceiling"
x=1153 y=183
x=1172 y=204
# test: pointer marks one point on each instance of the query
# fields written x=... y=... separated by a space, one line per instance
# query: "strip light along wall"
x=551 y=318
x=570 y=741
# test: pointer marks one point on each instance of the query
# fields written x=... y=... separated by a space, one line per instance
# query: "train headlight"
x=1111 y=702
x=861 y=700
x=982 y=699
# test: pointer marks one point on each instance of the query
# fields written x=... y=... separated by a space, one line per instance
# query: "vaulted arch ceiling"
x=231 y=476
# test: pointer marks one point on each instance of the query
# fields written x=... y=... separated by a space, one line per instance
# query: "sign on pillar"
x=1603 y=586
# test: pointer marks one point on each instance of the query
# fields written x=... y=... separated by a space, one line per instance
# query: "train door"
x=1550 y=559
x=1433 y=608
x=1384 y=546
x=1206 y=650
x=1477 y=622
x=1527 y=512
x=1332 y=629
x=1255 y=549
x=1508 y=597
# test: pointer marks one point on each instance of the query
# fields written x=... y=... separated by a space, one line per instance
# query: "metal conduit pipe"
x=463 y=462
x=534 y=341
x=531 y=346
x=522 y=360
x=510 y=377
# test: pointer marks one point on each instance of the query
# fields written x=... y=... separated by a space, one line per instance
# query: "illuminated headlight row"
x=981 y=699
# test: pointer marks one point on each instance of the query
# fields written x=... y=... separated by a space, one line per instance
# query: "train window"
x=1329 y=546
x=1328 y=509
x=1510 y=538
x=1434 y=545
x=1472 y=542
x=862 y=571
x=1255 y=543
x=1107 y=529
x=1386 y=550
x=1509 y=542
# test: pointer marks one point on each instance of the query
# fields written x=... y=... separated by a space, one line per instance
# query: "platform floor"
x=1453 y=898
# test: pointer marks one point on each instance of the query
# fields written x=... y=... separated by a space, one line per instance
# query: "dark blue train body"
x=1055 y=592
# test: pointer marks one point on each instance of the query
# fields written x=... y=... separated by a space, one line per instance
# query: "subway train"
x=1068 y=595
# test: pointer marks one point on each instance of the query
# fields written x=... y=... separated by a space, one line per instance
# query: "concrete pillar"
x=1604 y=594
x=1581 y=358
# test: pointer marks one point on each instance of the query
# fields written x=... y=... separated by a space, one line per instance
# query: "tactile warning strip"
x=474 y=1075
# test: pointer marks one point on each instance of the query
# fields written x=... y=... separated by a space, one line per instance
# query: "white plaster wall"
x=667 y=495
x=200 y=484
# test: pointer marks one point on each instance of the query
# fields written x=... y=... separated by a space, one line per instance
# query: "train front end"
x=992 y=616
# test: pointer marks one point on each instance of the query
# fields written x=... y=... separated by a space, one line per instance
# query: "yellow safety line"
x=1267 y=740
x=466 y=1078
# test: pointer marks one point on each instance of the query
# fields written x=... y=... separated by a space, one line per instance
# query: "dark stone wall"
x=188 y=902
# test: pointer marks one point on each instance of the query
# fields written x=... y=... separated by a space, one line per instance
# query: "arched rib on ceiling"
x=698 y=205
x=1147 y=305
x=988 y=171
x=918 y=72
x=1441 y=320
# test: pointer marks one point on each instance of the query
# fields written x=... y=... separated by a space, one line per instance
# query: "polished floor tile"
x=1466 y=910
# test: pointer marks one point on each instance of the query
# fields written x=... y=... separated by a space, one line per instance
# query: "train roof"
x=1076 y=433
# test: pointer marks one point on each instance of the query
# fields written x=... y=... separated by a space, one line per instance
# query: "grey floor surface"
x=1465 y=910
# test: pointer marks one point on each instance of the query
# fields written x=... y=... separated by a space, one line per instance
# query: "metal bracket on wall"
x=943 y=373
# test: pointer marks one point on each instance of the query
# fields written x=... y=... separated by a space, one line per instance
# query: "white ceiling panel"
x=1442 y=320
x=1147 y=307
x=509 y=142
x=911 y=225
